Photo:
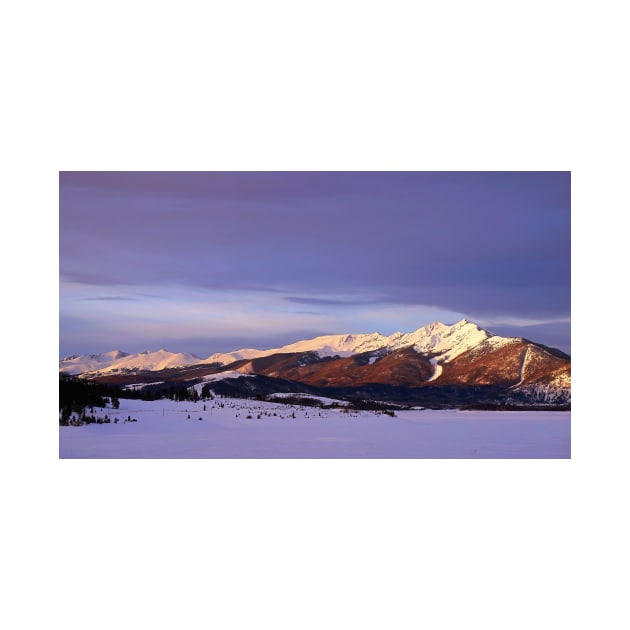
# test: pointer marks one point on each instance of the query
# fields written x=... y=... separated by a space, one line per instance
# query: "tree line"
x=75 y=395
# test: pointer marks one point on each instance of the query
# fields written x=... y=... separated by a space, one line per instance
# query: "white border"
x=268 y=86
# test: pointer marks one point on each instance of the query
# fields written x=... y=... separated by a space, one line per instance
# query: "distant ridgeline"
x=438 y=366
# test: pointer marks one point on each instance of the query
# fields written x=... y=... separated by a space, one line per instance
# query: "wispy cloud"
x=111 y=298
x=523 y=322
x=333 y=301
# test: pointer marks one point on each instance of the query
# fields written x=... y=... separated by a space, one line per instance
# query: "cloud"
x=333 y=301
x=111 y=298
x=487 y=245
x=306 y=312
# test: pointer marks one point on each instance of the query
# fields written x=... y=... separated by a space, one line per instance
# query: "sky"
x=206 y=262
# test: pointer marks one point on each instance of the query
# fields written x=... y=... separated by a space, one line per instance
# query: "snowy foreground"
x=163 y=430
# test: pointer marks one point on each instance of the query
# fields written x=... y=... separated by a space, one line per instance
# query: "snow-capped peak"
x=443 y=341
x=77 y=364
x=324 y=346
x=158 y=360
x=116 y=361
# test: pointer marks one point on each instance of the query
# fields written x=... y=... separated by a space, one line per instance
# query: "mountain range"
x=435 y=365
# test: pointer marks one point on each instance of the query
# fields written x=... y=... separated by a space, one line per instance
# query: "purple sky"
x=206 y=262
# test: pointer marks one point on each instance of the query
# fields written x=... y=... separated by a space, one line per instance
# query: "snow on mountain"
x=151 y=361
x=158 y=360
x=221 y=376
x=441 y=341
x=213 y=378
x=438 y=370
x=325 y=346
x=552 y=393
x=90 y=362
x=245 y=353
x=308 y=397
x=446 y=342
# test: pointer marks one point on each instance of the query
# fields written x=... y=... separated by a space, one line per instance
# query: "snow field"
x=321 y=399
x=239 y=428
x=438 y=370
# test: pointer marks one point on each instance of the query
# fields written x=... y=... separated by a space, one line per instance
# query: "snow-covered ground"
x=137 y=386
x=322 y=399
x=163 y=430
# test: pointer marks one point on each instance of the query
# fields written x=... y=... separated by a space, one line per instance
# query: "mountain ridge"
x=460 y=361
x=445 y=341
x=115 y=360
